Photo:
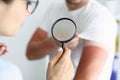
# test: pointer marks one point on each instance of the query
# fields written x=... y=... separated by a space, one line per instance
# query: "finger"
x=65 y=58
x=55 y=59
x=2 y=50
x=71 y=72
x=72 y=69
x=66 y=53
x=77 y=35
x=2 y=44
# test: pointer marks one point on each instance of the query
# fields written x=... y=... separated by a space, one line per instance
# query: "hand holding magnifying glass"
x=63 y=30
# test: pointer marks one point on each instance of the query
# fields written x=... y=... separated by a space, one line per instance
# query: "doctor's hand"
x=61 y=67
x=74 y=42
x=3 y=49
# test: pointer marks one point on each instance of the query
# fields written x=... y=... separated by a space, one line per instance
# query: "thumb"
x=56 y=58
x=66 y=54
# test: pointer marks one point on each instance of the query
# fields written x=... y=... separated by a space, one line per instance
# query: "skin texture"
x=92 y=61
x=13 y=14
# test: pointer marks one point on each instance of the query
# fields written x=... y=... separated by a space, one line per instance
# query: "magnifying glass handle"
x=63 y=46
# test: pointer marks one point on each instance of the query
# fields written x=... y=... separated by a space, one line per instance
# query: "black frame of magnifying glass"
x=57 y=22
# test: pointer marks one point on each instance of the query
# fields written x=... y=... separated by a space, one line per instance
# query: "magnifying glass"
x=63 y=30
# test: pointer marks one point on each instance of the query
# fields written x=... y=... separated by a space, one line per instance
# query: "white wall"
x=113 y=6
x=32 y=70
x=102 y=1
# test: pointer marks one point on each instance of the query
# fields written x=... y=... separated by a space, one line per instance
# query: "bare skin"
x=3 y=49
x=92 y=61
x=75 y=4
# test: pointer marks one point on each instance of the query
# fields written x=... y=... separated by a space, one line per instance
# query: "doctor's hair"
x=7 y=1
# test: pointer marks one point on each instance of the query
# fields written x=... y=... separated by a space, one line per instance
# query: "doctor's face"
x=73 y=1
x=12 y=15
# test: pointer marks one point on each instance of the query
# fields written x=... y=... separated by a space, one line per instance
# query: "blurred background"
x=36 y=70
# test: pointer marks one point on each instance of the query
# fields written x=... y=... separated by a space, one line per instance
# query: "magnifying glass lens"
x=63 y=30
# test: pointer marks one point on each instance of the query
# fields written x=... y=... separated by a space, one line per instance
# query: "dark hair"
x=7 y=1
